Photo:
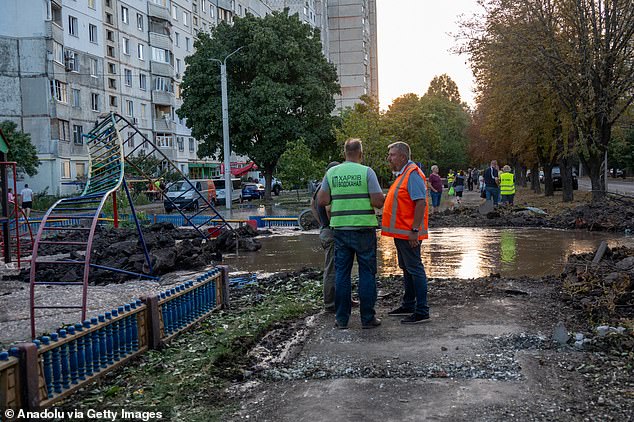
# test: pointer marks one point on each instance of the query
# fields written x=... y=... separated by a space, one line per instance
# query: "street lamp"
x=225 y=125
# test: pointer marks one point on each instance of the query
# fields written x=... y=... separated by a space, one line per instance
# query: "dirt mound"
x=603 y=289
x=170 y=249
x=614 y=215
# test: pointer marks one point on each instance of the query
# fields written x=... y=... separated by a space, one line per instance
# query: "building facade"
x=67 y=62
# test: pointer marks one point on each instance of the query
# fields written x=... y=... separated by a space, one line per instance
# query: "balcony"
x=162 y=69
x=156 y=11
x=160 y=41
x=164 y=125
x=163 y=98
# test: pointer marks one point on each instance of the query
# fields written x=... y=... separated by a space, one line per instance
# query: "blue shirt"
x=415 y=185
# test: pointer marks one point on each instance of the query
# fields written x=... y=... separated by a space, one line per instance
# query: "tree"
x=280 y=85
x=21 y=150
x=297 y=167
x=443 y=86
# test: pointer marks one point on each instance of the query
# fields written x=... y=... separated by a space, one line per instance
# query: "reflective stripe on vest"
x=350 y=206
x=398 y=210
x=507 y=184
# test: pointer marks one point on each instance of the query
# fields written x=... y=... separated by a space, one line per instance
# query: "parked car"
x=252 y=191
x=557 y=182
x=529 y=176
x=181 y=195
x=276 y=185
x=617 y=173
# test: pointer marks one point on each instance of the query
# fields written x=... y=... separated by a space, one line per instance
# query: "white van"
x=236 y=190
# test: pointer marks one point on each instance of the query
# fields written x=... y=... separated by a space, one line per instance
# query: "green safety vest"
x=507 y=184
x=350 y=206
x=450 y=178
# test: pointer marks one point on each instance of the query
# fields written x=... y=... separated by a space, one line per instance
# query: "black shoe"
x=341 y=326
x=400 y=311
x=415 y=319
x=372 y=324
x=330 y=310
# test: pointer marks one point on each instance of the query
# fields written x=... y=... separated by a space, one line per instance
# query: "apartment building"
x=67 y=62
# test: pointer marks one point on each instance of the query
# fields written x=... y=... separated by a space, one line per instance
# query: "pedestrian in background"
x=507 y=185
x=458 y=187
x=435 y=189
x=353 y=191
x=10 y=195
x=327 y=239
x=469 y=179
x=405 y=218
x=27 y=200
x=492 y=183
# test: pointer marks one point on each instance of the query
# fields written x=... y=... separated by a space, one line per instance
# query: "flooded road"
x=449 y=252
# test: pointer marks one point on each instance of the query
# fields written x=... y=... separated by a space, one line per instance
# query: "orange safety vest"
x=398 y=210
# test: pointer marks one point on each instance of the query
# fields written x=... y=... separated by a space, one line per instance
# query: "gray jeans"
x=327 y=238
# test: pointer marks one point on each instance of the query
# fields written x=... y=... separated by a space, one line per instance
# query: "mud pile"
x=170 y=249
x=613 y=215
x=603 y=289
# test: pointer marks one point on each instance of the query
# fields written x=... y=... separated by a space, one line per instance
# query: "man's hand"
x=413 y=239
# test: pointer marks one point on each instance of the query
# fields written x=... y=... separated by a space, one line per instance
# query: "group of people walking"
x=345 y=203
x=27 y=199
x=345 y=206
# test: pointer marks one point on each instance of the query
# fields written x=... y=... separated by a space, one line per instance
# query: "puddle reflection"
x=460 y=252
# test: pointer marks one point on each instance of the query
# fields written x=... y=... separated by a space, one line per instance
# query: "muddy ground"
x=615 y=214
x=495 y=349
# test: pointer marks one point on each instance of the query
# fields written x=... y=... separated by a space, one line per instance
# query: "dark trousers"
x=414 y=277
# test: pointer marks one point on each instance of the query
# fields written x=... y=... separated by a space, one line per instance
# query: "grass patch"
x=189 y=375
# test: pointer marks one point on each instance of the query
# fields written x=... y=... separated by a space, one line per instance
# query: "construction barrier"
x=37 y=374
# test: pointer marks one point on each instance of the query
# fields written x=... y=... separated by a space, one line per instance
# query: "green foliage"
x=297 y=167
x=280 y=87
x=142 y=165
x=21 y=150
x=443 y=86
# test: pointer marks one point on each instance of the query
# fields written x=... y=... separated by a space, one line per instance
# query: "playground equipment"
x=105 y=177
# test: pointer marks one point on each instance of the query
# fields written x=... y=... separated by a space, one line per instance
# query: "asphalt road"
x=622 y=186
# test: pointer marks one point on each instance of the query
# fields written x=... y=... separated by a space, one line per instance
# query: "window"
x=203 y=6
x=72 y=60
x=174 y=12
x=194 y=7
x=160 y=2
x=91 y=4
x=162 y=84
x=112 y=83
x=124 y=14
x=59 y=91
x=177 y=38
x=126 y=46
x=131 y=139
x=127 y=73
x=65 y=169
x=161 y=55
x=76 y=98
x=178 y=65
x=112 y=68
x=187 y=43
x=110 y=51
x=80 y=170
x=64 y=130
x=109 y=19
x=129 y=107
x=211 y=10
x=73 y=26
x=164 y=141
x=113 y=101
x=143 y=112
x=94 y=102
x=195 y=20
x=94 y=64
x=139 y=21
x=185 y=18
x=58 y=52
x=108 y=3
x=56 y=14
x=192 y=146
x=77 y=135
x=180 y=143
x=92 y=33
x=140 y=51
x=109 y=35
x=143 y=81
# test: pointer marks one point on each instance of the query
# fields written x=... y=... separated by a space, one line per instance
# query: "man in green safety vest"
x=507 y=185
x=451 y=176
x=353 y=191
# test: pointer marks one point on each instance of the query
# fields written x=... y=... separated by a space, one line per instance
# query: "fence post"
x=29 y=375
x=223 y=287
x=153 y=322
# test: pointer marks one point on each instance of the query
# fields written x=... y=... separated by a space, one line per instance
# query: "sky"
x=414 y=39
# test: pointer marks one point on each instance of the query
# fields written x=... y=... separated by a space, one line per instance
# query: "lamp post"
x=225 y=125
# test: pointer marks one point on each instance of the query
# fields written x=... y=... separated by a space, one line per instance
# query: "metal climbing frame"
x=104 y=178
x=204 y=218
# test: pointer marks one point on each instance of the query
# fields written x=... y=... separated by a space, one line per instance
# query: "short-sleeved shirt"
x=27 y=195
x=324 y=221
x=415 y=185
x=436 y=182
